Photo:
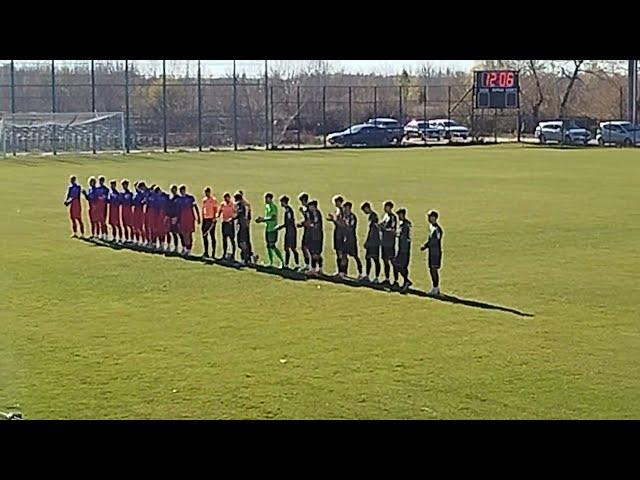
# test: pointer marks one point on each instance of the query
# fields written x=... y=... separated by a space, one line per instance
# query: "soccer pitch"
x=90 y=332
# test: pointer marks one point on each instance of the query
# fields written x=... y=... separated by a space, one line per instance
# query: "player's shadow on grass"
x=300 y=276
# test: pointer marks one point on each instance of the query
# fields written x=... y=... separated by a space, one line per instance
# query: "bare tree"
x=573 y=77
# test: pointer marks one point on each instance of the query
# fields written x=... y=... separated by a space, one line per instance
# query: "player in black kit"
x=404 y=248
x=350 y=248
x=289 y=227
x=434 y=245
x=388 y=228
x=304 y=224
x=339 y=236
x=372 y=244
x=242 y=228
x=315 y=237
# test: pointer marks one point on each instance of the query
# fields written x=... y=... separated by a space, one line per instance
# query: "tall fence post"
x=13 y=105
x=375 y=106
x=127 y=133
x=266 y=105
x=53 y=105
x=235 y=108
x=272 y=119
x=400 y=103
x=324 y=116
x=349 y=109
x=164 y=106
x=447 y=133
x=424 y=113
x=298 y=114
x=93 y=105
x=199 y=107
x=495 y=125
x=519 y=125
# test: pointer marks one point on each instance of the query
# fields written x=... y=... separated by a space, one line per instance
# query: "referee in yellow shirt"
x=209 y=214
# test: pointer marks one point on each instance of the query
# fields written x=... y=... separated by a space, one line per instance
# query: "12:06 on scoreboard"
x=497 y=89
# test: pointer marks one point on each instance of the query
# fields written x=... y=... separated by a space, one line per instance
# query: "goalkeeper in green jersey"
x=270 y=220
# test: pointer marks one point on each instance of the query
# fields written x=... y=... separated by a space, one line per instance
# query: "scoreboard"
x=496 y=89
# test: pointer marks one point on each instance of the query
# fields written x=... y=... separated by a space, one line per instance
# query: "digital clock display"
x=502 y=79
x=498 y=89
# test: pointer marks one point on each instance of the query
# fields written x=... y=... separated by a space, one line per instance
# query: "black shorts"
x=243 y=234
x=435 y=260
x=208 y=227
x=315 y=246
x=173 y=225
x=227 y=229
x=372 y=251
x=351 y=246
x=388 y=252
x=338 y=242
x=402 y=259
x=290 y=239
x=305 y=239
x=271 y=238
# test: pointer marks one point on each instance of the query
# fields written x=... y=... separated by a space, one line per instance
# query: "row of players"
x=156 y=219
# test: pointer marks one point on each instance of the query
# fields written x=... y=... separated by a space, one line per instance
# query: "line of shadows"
x=300 y=276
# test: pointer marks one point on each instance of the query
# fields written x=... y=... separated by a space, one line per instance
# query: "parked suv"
x=391 y=125
x=562 y=132
x=618 y=133
x=449 y=128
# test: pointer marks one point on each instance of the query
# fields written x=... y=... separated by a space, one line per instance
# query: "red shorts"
x=75 y=209
x=127 y=215
x=92 y=212
x=165 y=224
x=100 y=208
x=114 y=215
x=187 y=224
x=138 y=217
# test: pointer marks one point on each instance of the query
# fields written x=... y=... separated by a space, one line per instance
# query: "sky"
x=256 y=67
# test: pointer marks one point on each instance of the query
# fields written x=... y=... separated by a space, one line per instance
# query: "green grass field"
x=89 y=332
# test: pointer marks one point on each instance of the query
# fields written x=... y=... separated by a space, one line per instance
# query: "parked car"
x=449 y=128
x=362 y=134
x=561 y=132
x=391 y=125
x=421 y=129
x=618 y=133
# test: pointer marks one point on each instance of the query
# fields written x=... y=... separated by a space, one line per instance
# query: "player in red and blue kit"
x=138 y=213
x=114 y=204
x=153 y=215
x=164 y=221
x=126 y=207
x=91 y=196
x=75 y=207
x=172 y=211
x=101 y=207
x=188 y=209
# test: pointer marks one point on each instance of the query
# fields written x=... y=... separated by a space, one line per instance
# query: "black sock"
x=205 y=240
x=376 y=261
x=313 y=262
x=435 y=278
x=338 y=262
x=296 y=257
x=287 y=256
x=368 y=262
x=387 y=269
x=358 y=265
x=395 y=274
x=319 y=262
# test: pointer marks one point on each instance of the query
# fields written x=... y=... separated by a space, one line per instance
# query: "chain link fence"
x=169 y=105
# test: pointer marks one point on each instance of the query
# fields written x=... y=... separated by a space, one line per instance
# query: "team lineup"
x=163 y=221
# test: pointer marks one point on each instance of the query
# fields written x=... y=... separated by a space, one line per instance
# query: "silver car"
x=618 y=133
x=561 y=132
x=449 y=128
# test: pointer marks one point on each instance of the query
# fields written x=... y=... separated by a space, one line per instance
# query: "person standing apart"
x=434 y=245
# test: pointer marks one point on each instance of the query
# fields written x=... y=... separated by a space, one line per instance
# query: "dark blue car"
x=362 y=134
